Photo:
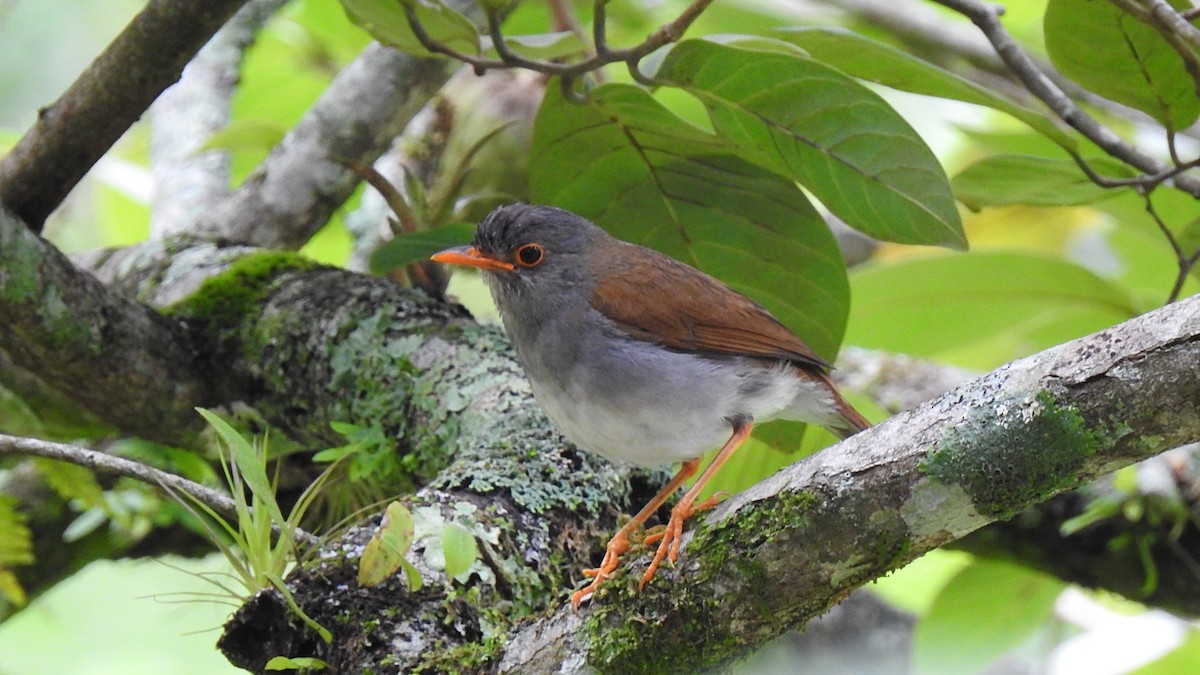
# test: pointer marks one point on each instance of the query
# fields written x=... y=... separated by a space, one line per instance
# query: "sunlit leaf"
x=812 y=123
x=646 y=176
x=246 y=134
x=385 y=21
x=946 y=306
x=1120 y=57
x=459 y=549
x=385 y=550
x=1035 y=181
x=985 y=610
x=296 y=663
x=864 y=58
x=539 y=46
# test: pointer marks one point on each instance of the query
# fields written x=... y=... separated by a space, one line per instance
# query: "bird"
x=641 y=358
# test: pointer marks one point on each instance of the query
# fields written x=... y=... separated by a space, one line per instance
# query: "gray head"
x=536 y=246
x=535 y=259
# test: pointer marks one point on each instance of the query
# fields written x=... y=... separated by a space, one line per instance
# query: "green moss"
x=20 y=279
x=223 y=300
x=470 y=657
x=989 y=455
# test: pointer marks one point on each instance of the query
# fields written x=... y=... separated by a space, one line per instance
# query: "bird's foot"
x=617 y=546
x=669 y=539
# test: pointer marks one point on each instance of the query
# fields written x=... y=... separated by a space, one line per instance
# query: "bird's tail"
x=851 y=420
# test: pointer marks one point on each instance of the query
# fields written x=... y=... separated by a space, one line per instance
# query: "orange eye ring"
x=530 y=255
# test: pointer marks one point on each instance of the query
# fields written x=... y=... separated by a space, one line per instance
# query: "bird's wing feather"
x=658 y=299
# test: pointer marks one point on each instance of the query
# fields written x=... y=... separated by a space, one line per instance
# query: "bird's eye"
x=530 y=255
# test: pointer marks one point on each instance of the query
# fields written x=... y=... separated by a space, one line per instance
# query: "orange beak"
x=469 y=255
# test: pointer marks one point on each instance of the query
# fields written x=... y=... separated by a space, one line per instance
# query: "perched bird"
x=640 y=358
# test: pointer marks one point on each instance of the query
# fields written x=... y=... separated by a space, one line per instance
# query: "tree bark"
x=769 y=559
x=74 y=132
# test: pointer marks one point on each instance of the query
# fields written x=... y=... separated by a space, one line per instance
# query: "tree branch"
x=74 y=132
x=188 y=182
x=111 y=464
x=301 y=183
x=783 y=551
x=115 y=357
x=986 y=17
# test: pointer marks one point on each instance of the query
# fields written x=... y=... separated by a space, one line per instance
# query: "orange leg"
x=671 y=538
x=619 y=544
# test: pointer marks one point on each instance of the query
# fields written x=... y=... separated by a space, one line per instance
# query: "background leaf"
x=385 y=21
x=813 y=124
x=860 y=56
x=409 y=247
x=985 y=610
x=982 y=309
x=1036 y=181
x=646 y=176
x=1119 y=57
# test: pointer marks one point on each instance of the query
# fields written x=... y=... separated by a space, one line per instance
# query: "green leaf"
x=539 y=46
x=250 y=464
x=16 y=541
x=981 y=309
x=410 y=247
x=813 y=124
x=71 y=481
x=246 y=134
x=630 y=165
x=460 y=550
x=296 y=663
x=384 y=552
x=864 y=58
x=1002 y=180
x=983 y=612
x=386 y=22
x=1121 y=58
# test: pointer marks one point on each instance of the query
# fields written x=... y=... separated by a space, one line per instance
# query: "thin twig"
x=105 y=463
x=73 y=133
x=1177 y=21
x=1169 y=30
x=604 y=55
x=986 y=17
x=1184 y=261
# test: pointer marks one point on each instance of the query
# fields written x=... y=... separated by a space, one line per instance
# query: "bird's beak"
x=469 y=255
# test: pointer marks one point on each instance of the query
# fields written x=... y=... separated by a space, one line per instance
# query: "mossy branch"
x=783 y=552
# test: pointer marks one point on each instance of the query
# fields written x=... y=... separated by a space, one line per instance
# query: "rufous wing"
x=658 y=299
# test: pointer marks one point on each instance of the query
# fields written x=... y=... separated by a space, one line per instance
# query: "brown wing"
x=658 y=299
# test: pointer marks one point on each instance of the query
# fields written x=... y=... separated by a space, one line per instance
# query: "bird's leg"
x=671 y=538
x=619 y=543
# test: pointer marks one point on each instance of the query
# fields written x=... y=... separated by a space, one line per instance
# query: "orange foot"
x=617 y=546
x=671 y=537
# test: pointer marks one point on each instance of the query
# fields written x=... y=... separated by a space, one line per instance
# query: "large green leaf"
x=814 y=124
x=984 y=611
x=864 y=58
x=386 y=22
x=409 y=247
x=1036 y=181
x=981 y=309
x=1119 y=57
x=646 y=176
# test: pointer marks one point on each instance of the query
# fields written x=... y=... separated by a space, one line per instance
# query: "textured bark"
x=74 y=132
x=297 y=187
x=112 y=356
x=786 y=550
x=187 y=180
